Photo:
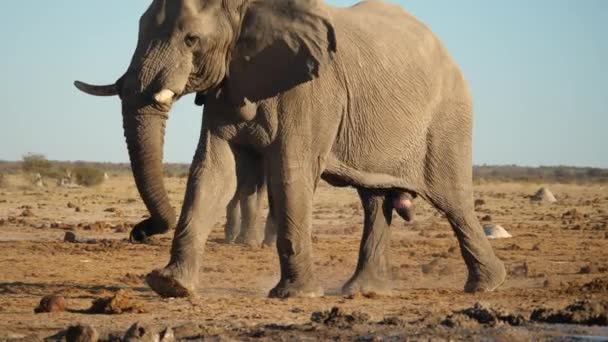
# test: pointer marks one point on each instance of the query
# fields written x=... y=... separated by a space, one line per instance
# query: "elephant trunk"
x=145 y=133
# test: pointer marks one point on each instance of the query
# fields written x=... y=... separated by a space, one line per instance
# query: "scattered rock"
x=520 y=271
x=544 y=195
x=75 y=238
x=71 y=205
x=51 y=303
x=27 y=212
x=482 y=313
x=487 y=218
x=585 y=312
x=495 y=231
x=572 y=214
x=596 y=285
x=141 y=333
x=96 y=226
x=479 y=202
x=591 y=268
x=428 y=268
x=117 y=304
x=512 y=247
x=133 y=279
x=81 y=333
x=121 y=228
x=336 y=317
x=116 y=211
x=395 y=321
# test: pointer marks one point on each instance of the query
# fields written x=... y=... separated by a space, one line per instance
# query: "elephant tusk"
x=164 y=96
x=105 y=90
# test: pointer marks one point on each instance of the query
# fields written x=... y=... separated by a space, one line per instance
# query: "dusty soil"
x=557 y=261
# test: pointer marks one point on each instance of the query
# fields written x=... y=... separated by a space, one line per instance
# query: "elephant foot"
x=486 y=278
x=247 y=241
x=290 y=290
x=269 y=243
x=229 y=240
x=167 y=285
x=367 y=285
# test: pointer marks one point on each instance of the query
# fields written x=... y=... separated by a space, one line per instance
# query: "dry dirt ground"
x=557 y=257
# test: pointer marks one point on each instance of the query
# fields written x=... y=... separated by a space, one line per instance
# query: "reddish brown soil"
x=556 y=257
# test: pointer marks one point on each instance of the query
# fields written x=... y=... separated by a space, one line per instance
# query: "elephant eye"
x=191 y=40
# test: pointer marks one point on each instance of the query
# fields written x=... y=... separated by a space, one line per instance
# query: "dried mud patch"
x=118 y=303
x=595 y=286
x=584 y=312
x=336 y=317
x=484 y=314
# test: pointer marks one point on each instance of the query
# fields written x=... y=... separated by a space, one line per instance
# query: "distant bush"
x=88 y=175
x=37 y=163
x=542 y=174
x=172 y=170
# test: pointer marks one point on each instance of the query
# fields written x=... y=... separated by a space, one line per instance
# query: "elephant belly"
x=398 y=78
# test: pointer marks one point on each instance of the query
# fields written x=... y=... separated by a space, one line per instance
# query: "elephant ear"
x=282 y=43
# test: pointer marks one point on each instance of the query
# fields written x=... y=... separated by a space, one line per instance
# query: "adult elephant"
x=364 y=96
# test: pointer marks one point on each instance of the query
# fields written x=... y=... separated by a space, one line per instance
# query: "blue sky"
x=538 y=71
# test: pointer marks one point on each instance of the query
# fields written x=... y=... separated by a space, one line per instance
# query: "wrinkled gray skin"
x=364 y=96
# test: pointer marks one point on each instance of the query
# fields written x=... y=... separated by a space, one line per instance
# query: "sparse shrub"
x=88 y=175
x=37 y=163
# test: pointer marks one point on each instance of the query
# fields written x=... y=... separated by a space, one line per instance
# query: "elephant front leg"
x=211 y=185
x=372 y=273
x=292 y=187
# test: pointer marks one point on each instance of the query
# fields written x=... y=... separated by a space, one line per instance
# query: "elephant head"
x=239 y=51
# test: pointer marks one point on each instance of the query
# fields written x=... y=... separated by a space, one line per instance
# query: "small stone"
x=119 y=303
x=70 y=237
x=588 y=269
x=81 y=333
x=75 y=238
x=27 y=213
x=141 y=333
x=51 y=303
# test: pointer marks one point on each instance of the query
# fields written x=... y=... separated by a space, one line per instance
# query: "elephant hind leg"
x=486 y=271
x=233 y=218
x=372 y=273
x=450 y=190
